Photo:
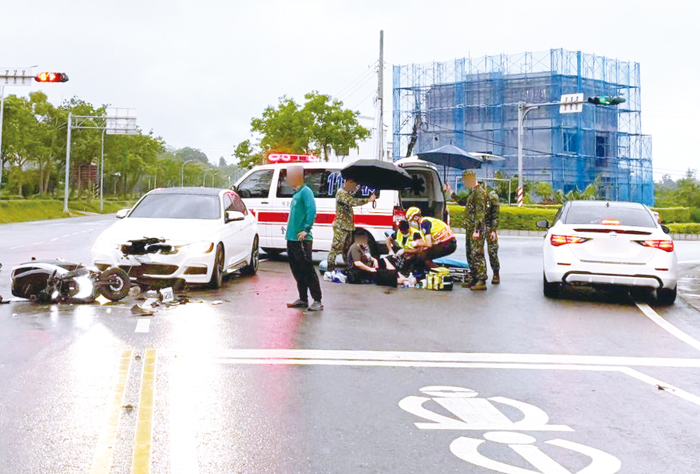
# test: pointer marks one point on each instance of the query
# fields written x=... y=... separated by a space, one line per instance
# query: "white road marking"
x=446 y=360
x=54 y=240
x=18 y=247
x=673 y=330
x=270 y=356
x=143 y=325
x=661 y=385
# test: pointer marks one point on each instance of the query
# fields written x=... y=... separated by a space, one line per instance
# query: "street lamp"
x=182 y=173
x=212 y=178
x=524 y=109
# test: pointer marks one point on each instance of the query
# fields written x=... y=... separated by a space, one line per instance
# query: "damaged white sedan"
x=193 y=234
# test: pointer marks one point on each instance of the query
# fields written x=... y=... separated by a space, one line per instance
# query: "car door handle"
x=264 y=202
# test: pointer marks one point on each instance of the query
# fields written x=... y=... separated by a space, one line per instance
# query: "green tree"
x=247 y=156
x=320 y=126
x=684 y=192
x=544 y=190
x=187 y=153
x=285 y=129
x=333 y=128
x=20 y=128
x=688 y=192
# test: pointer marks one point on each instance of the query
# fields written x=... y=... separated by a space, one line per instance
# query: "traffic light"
x=51 y=77
x=605 y=100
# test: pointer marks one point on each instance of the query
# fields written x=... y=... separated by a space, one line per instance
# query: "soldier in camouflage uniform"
x=344 y=224
x=475 y=227
x=493 y=211
x=475 y=223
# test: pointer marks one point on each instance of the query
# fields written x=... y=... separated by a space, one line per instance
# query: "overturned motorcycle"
x=48 y=281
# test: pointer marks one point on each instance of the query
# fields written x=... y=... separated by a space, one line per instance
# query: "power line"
x=360 y=77
x=368 y=96
x=357 y=88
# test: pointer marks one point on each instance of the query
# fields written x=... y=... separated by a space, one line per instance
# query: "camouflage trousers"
x=493 y=254
x=475 y=255
x=342 y=240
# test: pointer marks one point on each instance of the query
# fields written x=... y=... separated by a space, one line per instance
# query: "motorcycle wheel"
x=116 y=284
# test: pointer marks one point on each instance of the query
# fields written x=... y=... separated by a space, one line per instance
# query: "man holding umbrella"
x=344 y=224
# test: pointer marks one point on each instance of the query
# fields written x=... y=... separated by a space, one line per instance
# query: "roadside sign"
x=571 y=103
x=123 y=122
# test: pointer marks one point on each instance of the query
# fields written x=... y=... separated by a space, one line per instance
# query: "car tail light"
x=557 y=240
x=398 y=214
x=665 y=245
x=610 y=222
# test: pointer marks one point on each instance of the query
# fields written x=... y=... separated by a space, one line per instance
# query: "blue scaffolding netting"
x=472 y=103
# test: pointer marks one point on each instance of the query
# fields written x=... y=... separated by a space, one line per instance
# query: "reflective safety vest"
x=439 y=231
x=405 y=241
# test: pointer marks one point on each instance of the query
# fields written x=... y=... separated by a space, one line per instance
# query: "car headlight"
x=200 y=247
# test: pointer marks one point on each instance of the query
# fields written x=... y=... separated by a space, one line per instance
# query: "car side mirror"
x=665 y=229
x=543 y=224
x=122 y=213
x=233 y=216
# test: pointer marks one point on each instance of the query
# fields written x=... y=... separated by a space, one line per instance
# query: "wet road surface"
x=384 y=380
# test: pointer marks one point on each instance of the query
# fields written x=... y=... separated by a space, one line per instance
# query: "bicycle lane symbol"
x=480 y=414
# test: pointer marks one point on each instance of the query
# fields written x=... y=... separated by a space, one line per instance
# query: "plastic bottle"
x=411 y=280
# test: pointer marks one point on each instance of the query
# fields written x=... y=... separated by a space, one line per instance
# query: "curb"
x=689 y=287
x=540 y=233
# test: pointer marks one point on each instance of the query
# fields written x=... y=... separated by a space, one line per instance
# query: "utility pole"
x=380 y=100
x=65 y=185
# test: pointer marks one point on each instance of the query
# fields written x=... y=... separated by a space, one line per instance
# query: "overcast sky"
x=196 y=72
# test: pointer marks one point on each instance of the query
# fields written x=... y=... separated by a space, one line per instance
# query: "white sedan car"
x=194 y=234
x=599 y=243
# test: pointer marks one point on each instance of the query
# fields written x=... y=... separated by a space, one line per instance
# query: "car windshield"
x=602 y=215
x=178 y=206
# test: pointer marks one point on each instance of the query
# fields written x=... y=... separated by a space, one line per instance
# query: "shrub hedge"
x=672 y=215
x=684 y=228
x=695 y=214
x=525 y=218
x=512 y=218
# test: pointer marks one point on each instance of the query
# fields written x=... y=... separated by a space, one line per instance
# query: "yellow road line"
x=141 y=462
x=104 y=453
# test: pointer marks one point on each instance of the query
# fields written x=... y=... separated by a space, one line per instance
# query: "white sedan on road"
x=194 y=234
x=599 y=243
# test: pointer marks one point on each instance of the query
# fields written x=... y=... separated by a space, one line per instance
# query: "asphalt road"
x=395 y=381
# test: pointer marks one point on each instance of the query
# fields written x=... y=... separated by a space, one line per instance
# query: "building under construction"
x=472 y=103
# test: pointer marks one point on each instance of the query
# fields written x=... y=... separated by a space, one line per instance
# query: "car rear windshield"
x=178 y=206
x=601 y=215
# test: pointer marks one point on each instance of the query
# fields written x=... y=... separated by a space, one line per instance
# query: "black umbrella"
x=377 y=174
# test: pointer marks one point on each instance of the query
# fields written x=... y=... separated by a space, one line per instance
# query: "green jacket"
x=302 y=213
